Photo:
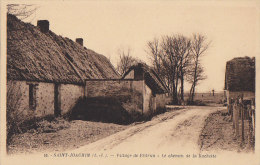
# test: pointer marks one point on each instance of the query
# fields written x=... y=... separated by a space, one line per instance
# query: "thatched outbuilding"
x=144 y=72
x=240 y=78
x=140 y=94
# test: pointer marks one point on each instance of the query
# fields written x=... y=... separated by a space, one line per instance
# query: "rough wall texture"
x=111 y=87
x=18 y=92
x=124 y=96
x=160 y=101
x=69 y=96
x=149 y=101
x=44 y=97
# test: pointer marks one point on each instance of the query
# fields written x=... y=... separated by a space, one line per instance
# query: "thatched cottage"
x=53 y=75
x=47 y=72
x=240 y=78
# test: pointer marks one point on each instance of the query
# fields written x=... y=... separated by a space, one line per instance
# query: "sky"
x=106 y=26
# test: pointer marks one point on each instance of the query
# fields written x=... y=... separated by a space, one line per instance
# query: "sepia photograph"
x=129 y=82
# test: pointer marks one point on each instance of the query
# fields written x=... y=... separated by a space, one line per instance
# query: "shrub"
x=15 y=115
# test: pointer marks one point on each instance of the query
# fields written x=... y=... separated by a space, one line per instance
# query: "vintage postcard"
x=130 y=82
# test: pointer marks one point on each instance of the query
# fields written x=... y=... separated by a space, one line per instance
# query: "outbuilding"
x=240 y=78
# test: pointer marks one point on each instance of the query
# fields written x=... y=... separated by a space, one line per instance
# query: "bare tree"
x=153 y=51
x=171 y=58
x=125 y=60
x=170 y=63
x=182 y=48
x=196 y=71
x=22 y=11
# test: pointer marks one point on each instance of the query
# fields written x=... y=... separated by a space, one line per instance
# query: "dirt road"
x=174 y=131
x=168 y=138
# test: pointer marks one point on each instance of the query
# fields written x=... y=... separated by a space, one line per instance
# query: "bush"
x=15 y=115
x=20 y=119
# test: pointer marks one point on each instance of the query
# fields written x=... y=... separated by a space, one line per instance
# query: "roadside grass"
x=204 y=99
x=60 y=135
x=218 y=134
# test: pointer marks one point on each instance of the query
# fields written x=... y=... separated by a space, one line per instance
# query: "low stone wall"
x=108 y=87
x=125 y=95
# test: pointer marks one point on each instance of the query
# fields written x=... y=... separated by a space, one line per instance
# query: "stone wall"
x=44 y=97
x=69 y=96
x=96 y=88
x=149 y=101
x=161 y=101
x=126 y=96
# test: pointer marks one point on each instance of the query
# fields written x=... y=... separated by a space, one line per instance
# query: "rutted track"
x=172 y=131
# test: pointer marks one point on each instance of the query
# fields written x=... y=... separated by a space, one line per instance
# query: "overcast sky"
x=232 y=28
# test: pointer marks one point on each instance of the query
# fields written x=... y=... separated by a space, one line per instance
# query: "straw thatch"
x=151 y=78
x=240 y=74
x=36 y=56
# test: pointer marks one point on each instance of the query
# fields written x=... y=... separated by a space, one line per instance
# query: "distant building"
x=240 y=78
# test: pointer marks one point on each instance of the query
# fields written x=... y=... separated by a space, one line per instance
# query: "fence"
x=243 y=117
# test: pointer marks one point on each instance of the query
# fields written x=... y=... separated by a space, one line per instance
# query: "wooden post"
x=253 y=121
x=250 y=128
x=236 y=119
x=242 y=114
x=233 y=114
x=242 y=124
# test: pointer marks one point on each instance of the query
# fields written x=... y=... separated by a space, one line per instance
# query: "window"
x=32 y=96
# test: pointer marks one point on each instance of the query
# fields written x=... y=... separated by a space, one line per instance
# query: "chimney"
x=79 y=41
x=43 y=25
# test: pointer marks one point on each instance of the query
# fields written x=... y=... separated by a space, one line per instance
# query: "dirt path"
x=175 y=131
x=174 y=134
x=218 y=135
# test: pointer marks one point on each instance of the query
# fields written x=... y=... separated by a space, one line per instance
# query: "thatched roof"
x=150 y=76
x=240 y=74
x=36 y=56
